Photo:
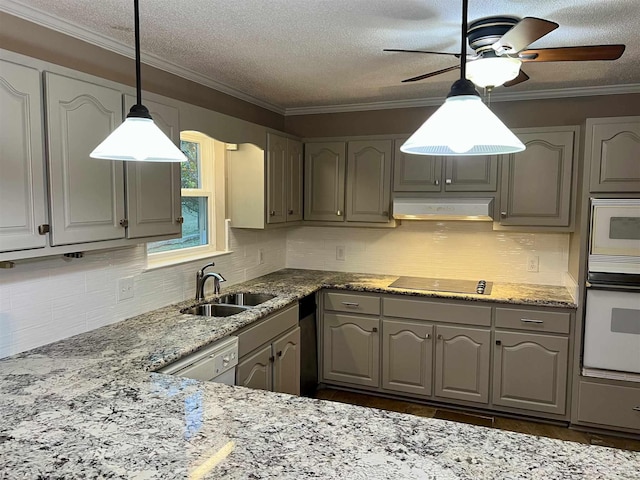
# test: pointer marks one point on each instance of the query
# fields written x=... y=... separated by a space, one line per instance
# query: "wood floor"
x=523 y=426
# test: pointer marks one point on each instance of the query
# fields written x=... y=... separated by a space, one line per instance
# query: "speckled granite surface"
x=89 y=407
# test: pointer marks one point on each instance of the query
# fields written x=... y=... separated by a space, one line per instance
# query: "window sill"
x=154 y=264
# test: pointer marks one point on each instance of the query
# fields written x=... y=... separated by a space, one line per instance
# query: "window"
x=202 y=181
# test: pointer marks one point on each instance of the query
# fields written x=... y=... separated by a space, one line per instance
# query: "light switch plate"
x=340 y=255
x=125 y=288
x=533 y=263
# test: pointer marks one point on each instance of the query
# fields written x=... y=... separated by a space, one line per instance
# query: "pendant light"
x=463 y=125
x=138 y=138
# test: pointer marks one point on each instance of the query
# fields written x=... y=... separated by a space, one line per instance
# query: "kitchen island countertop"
x=91 y=407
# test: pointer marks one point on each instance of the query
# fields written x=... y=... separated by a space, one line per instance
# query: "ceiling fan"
x=499 y=44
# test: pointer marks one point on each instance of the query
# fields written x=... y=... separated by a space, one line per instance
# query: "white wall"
x=45 y=300
x=466 y=250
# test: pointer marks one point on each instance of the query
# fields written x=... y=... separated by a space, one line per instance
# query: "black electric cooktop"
x=481 y=287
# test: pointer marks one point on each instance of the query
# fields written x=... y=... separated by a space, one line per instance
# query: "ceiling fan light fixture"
x=138 y=138
x=494 y=71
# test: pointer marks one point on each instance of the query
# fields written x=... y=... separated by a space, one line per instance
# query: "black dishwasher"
x=308 y=346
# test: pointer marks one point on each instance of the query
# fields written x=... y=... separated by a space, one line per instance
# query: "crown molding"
x=495 y=97
x=74 y=30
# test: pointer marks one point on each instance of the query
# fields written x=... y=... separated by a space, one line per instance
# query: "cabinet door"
x=324 y=169
x=22 y=189
x=614 y=145
x=471 y=174
x=407 y=356
x=293 y=187
x=368 y=181
x=255 y=370
x=153 y=188
x=276 y=166
x=286 y=369
x=530 y=371
x=462 y=363
x=536 y=183
x=86 y=194
x=415 y=173
x=351 y=349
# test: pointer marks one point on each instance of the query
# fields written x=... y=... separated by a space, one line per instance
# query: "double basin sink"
x=229 y=304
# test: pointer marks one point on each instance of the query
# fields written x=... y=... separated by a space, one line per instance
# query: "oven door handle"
x=613 y=287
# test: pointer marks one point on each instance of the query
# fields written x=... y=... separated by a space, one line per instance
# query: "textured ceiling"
x=306 y=53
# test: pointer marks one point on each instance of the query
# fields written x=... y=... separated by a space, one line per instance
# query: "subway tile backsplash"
x=45 y=300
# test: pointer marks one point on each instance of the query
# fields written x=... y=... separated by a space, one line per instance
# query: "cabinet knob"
x=272 y=213
x=439 y=336
x=374 y=329
x=280 y=353
x=448 y=181
x=272 y=359
x=180 y=220
x=124 y=223
x=339 y=213
x=43 y=229
x=498 y=342
x=290 y=212
x=503 y=214
x=436 y=182
x=427 y=336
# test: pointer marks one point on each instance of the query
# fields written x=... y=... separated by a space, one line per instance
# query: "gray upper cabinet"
x=153 y=188
x=293 y=181
x=276 y=173
x=86 y=194
x=537 y=184
x=324 y=167
x=368 y=181
x=424 y=173
x=613 y=151
x=22 y=162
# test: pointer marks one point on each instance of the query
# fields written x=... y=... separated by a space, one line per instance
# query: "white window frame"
x=212 y=178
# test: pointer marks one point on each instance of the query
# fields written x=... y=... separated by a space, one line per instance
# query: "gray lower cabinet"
x=407 y=356
x=537 y=184
x=462 y=363
x=351 y=347
x=612 y=150
x=530 y=371
x=269 y=353
x=606 y=403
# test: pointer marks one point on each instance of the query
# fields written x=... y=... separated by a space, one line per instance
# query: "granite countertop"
x=91 y=407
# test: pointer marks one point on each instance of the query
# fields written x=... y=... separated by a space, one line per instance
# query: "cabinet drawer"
x=534 y=320
x=436 y=311
x=348 y=302
x=266 y=330
x=609 y=405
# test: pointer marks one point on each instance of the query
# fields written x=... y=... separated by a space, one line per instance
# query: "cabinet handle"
x=503 y=214
x=124 y=223
x=180 y=220
x=440 y=336
x=290 y=212
x=272 y=213
x=339 y=213
x=43 y=229
x=529 y=320
x=636 y=409
x=351 y=304
x=272 y=359
x=427 y=336
x=374 y=329
x=448 y=181
x=280 y=353
x=436 y=182
x=498 y=342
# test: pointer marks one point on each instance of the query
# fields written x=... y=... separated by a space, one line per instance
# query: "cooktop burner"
x=481 y=287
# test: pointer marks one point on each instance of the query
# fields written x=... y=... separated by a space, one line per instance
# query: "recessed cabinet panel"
x=471 y=174
x=368 y=181
x=324 y=167
x=351 y=349
x=87 y=195
x=286 y=369
x=536 y=183
x=255 y=370
x=407 y=353
x=22 y=200
x=294 y=181
x=530 y=371
x=615 y=154
x=415 y=173
x=153 y=188
x=276 y=168
x=462 y=363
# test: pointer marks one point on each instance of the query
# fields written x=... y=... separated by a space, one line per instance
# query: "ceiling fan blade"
x=457 y=55
x=522 y=77
x=432 y=74
x=568 y=54
x=522 y=34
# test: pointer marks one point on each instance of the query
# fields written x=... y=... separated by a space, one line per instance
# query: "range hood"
x=443 y=209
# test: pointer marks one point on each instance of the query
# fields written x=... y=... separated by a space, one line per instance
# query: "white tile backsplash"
x=49 y=299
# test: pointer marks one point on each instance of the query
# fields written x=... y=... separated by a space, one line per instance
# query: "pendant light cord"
x=463 y=50
x=137 y=40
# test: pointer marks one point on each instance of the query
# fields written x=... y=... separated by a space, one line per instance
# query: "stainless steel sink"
x=214 y=310
x=245 y=299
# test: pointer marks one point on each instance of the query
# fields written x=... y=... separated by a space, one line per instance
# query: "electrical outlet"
x=125 y=288
x=533 y=263
x=340 y=255
x=260 y=256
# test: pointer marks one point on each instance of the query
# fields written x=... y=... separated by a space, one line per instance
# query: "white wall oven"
x=612 y=319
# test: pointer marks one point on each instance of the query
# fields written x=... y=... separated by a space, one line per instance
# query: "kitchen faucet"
x=201 y=279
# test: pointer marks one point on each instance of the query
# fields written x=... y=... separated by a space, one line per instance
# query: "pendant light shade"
x=463 y=125
x=138 y=138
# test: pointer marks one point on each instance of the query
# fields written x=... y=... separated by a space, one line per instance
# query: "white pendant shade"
x=463 y=125
x=138 y=139
x=493 y=72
